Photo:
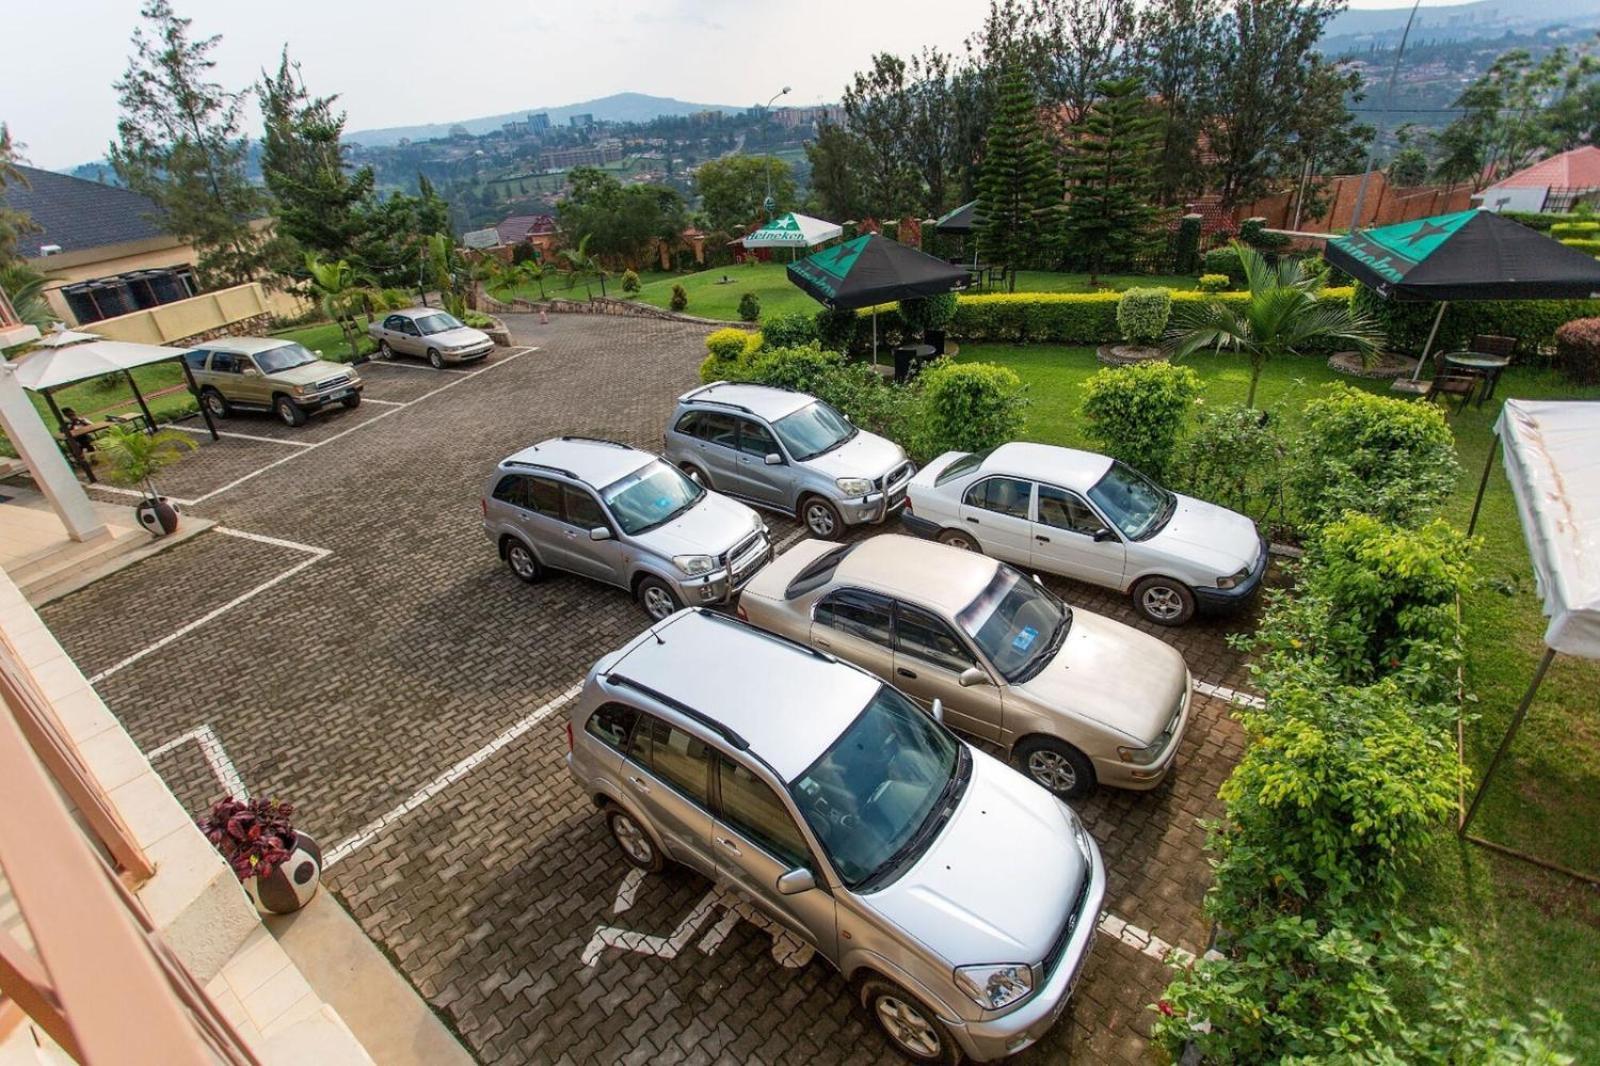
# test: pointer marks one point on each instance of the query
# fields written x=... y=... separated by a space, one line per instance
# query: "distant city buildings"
x=581 y=122
x=532 y=126
x=793 y=117
x=539 y=123
x=599 y=155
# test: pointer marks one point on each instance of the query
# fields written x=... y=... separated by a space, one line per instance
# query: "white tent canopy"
x=1552 y=458
x=48 y=367
x=793 y=231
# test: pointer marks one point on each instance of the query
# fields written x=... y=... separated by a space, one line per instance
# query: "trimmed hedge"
x=1578 y=351
x=1588 y=228
x=1533 y=323
x=1063 y=317
x=1539 y=220
x=1589 y=244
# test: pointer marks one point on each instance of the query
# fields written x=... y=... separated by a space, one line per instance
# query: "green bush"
x=789 y=329
x=1588 y=245
x=930 y=312
x=1391 y=458
x=1235 y=456
x=1540 y=220
x=968 y=407
x=1532 y=322
x=1215 y=282
x=1061 y=317
x=1225 y=261
x=1578 y=351
x=630 y=281
x=1142 y=314
x=1583 y=228
x=749 y=307
x=869 y=402
x=836 y=330
x=1186 y=245
x=728 y=343
x=1137 y=413
x=679 y=299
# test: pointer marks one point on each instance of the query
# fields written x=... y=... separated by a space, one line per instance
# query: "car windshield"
x=812 y=430
x=651 y=496
x=877 y=798
x=1136 y=505
x=437 y=323
x=1017 y=624
x=277 y=360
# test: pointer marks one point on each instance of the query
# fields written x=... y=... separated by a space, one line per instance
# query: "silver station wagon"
x=788 y=452
x=606 y=511
x=957 y=896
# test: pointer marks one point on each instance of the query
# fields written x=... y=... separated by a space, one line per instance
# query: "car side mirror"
x=599 y=533
x=773 y=459
x=1103 y=535
x=938 y=710
x=972 y=675
x=796 y=881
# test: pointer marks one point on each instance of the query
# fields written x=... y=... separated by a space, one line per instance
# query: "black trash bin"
x=935 y=337
x=903 y=357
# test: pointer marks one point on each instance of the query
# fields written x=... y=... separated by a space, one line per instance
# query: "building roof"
x=1577 y=169
x=77 y=214
x=518 y=228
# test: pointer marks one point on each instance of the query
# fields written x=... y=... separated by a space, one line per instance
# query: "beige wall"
x=206 y=313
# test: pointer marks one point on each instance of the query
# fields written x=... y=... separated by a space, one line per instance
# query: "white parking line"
x=363 y=836
x=1222 y=692
x=317 y=555
x=413 y=366
x=136 y=494
x=385 y=403
x=374 y=420
x=242 y=436
x=215 y=755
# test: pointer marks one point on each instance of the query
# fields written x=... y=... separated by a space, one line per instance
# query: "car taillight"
x=569 y=737
x=483 y=505
x=908 y=505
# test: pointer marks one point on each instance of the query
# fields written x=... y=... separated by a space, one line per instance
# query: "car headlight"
x=693 y=564
x=854 y=486
x=1080 y=836
x=1143 y=756
x=1234 y=580
x=996 y=987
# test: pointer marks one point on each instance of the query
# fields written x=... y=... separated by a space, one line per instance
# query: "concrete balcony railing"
x=208 y=313
x=12 y=329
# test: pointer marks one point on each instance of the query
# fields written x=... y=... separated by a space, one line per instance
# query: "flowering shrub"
x=255 y=836
x=1142 y=314
x=1136 y=413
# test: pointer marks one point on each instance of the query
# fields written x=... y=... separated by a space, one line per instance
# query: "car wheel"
x=913 y=1029
x=289 y=412
x=637 y=846
x=521 y=560
x=959 y=539
x=352 y=401
x=696 y=475
x=1164 y=601
x=435 y=360
x=1056 y=766
x=384 y=351
x=821 y=518
x=657 y=598
x=216 y=403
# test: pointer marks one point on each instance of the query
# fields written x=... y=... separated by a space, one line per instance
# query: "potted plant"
x=134 y=458
x=278 y=866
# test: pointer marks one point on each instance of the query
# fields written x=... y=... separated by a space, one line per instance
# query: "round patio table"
x=1490 y=366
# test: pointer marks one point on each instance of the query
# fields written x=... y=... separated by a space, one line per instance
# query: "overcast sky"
x=403 y=62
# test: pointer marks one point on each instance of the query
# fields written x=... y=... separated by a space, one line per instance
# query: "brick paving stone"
x=354 y=683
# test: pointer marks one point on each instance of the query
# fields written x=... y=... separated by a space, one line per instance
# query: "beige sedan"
x=1074 y=698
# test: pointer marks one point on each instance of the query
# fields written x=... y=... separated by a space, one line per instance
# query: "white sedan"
x=1093 y=519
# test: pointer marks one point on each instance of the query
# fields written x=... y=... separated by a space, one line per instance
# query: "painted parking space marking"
x=1231 y=695
x=1147 y=943
x=788 y=950
x=385 y=403
x=243 y=436
x=363 y=836
x=135 y=493
x=216 y=757
x=316 y=556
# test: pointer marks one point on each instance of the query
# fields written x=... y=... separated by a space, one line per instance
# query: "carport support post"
x=149 y=419
x=194 y=387
x=1511 y=734
x=21 y=422
x=1483 y=483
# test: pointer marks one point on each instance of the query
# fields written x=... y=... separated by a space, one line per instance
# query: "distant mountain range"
x=1358 y=29
x=621 y=107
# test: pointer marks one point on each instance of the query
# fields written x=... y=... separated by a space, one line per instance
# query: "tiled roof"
x=1577 y=169
x=78 y=214
x=516 y=229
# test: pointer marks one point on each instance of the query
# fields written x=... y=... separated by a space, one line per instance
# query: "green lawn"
x=709 y=297
x=1534 y=936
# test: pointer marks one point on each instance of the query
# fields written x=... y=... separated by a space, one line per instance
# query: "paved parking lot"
x=346 y=640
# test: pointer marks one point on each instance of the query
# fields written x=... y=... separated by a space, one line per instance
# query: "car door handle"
x=639 y=783
x=903 y=672
x=732 y=847
x=1041 y=540
x=819 y=642
x=975 y=522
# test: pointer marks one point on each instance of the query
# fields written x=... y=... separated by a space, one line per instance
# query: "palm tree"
x=530 y=270
x=135 y=457
x=1283 y=316
x=580 y=264
x=342 y=294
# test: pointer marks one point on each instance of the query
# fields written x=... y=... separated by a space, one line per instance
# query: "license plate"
x=337 y=394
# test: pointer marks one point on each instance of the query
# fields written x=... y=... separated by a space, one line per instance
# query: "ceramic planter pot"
x=157 y=515
x=293 y=883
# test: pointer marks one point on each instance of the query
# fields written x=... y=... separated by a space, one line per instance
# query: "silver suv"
x=960 y=898
x=606 y=511
x=787 y=452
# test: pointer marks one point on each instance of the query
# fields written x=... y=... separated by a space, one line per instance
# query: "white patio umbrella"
x=793 y=231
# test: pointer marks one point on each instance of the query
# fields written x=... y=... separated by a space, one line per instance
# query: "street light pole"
x=769 y=204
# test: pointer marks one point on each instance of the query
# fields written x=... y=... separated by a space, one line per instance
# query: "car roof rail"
x=541 y=466
x=596 y=440
x=698 y=717
x=777 y=638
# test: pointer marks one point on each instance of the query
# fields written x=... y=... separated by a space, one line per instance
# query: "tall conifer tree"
x=1019 y=191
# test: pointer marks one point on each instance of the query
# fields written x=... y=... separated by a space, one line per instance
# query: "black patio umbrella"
x=873 y=270
x=1468 y=255
x=963 y=219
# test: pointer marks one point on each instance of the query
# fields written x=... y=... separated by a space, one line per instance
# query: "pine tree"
x=1019 y=191
x=302 y=162
x=1110 y=164
x=179 y=143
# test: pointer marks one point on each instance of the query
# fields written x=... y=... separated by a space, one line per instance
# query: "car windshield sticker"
x=663 y=504
x=1024 y=640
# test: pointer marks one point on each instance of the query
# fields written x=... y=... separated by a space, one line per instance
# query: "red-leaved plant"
x=255 y=836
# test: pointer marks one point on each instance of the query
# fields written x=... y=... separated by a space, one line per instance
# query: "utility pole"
x=769 y=204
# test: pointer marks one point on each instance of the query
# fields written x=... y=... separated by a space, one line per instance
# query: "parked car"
x=1094 y=519
x=435 y=335
x=960 y=899
x=1072 y=698
x=606 y=511
x=787 y=452
x=269 y=374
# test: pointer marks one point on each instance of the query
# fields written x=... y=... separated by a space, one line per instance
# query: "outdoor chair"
x=1488 y=344
x=1453 y=381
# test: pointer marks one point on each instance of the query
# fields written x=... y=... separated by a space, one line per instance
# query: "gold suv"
x=270 y=374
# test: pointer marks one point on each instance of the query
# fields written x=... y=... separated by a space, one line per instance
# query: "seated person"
x=72 y=424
